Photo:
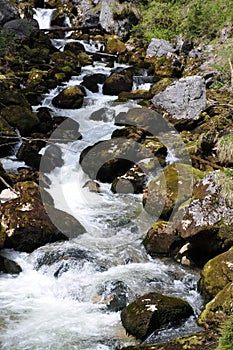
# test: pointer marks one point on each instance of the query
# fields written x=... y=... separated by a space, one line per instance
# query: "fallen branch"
x=207 y=162
x=8 y=186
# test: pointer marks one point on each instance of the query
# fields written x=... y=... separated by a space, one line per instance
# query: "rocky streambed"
x=116 y=180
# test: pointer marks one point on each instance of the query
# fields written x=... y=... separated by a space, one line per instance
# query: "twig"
x=231 y=71
x=8 y=186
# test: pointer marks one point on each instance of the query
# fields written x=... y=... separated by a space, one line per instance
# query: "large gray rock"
x=7 y=12
x=21 y=28
x=185 y=99
x=158 y=48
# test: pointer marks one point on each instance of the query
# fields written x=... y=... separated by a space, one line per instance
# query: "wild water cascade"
x=60 y=304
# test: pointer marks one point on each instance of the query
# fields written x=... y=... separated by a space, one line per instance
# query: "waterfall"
x=43 y=17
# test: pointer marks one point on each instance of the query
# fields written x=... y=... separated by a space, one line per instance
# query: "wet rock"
x=51 y=159
x=144 y=118
x=67 y=130
x=161 y=239
x=9 y=266
x=158 y=48
x=114 y=294
x=21 y=28
x=91 y=82
x=9 y=98
x=29 y=153
x=103 y=114
x=8 y=12
x=8 y=139
x=106 y=160
x=71 y=98
x=185 y=99
x=151 y=312
x=92 y=186
x=27 y=225
x=115 y=46
x=132 y=182
x=118 y=82
x=21 y=118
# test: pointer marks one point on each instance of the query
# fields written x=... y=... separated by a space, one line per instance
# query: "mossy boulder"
x=71 y=98
x=151 y=312
x=161 y=239
x=118 y=82
x=115 y=46
x=216 y=274
x=167 y=191
x=150 y=121
x=206 y=223
x=21 y=117
x=27 y=225
x=217 y=311
x=132 y=182
x=160 y=85
x=106 y=160
x=224 y=149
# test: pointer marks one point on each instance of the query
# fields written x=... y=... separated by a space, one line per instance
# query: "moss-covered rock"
x=218 y=309
x=225 y=149
x=216 y=274
x=152 y=311
x=168 y=190
x=118 y=82
x=21 y=118
x=71 y=97
x=115 y=46
x=206 y=223
x=27 y=225
x=161 y=85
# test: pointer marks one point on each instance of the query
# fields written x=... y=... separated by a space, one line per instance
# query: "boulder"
x=207 y=221
x=216 y=274
x=114 y=294
x=118 y=82
x=166 y=192
x=161 y=239
x=150 y=121
x=21 y=28
x=132 y=182
x=106 y=160
x=9 y=266
x=184 y=99
x=27 y=225
x=91 y=82
x=151 y=312
x=8 y=12
x=218 y=310
x=103 y=114
x=71 y=98
x=158 y=48
x=21 y=117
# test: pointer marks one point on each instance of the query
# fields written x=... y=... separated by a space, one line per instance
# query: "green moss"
x=226 y=339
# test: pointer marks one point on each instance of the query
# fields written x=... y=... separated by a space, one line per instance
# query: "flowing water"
x=58 y=301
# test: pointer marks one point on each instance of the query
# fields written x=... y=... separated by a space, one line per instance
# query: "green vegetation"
x=195 y=19
x=226 y=339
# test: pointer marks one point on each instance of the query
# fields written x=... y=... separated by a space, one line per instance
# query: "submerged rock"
x=151 y=312
x=9 y=266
